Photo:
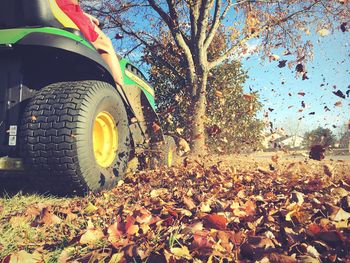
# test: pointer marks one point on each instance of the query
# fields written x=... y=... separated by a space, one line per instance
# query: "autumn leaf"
x=213 y=130
x=202 y=241
x=282 y=63
x=340 y=215
x=181 y=252
x=338 y=104
x=218 y=94
x=90 y=209
x=91 y=236
x=215 y=221
x=155 y=127
x=130 y=228
x=184 y=146
x=299 y=68
x=339 y=93
x=249 y=208
x=194 y=227
x=115 y=231
x=314 y=228
x=46 y=217
x=249 y=96
x=205 y=207
x=23 y=257
x=343 y=27
x=158 y=192
x=274 y=57
x=117 y=258
x=323 y=32
x=189 y=203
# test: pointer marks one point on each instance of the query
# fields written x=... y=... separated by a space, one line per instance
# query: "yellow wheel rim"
x=170 y=157
x=105 y=139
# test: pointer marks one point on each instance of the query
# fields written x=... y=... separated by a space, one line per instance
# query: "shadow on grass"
x=12 y=184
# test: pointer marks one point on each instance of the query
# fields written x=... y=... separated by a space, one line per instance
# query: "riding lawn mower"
x=64 y=123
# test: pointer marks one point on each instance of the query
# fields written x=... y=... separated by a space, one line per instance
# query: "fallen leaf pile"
x=276 y=212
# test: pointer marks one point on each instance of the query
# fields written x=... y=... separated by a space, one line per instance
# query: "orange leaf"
x=338 y=104
x=249 y=96
x=314 y=229
x=218 y=94
x=116 y=231
x=215 y=221
x=132 y=230
x=46 y=217
x=155 y=127
x=201 y=240
x=250 y=208
x=275 y=158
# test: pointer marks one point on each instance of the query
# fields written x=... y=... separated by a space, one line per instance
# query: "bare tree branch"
x=218 y=18
x=178 y=37
x=194 y=15
x=203 y=21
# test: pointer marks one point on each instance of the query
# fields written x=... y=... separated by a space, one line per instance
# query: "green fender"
x=12 y=36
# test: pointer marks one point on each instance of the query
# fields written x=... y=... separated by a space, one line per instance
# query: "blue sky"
x=330 y=67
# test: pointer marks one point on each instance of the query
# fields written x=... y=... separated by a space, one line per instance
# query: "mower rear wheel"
x=169 y=154
x=75 y=137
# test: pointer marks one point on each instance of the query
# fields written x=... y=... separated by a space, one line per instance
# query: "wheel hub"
x=170 y=157
x=105 y=139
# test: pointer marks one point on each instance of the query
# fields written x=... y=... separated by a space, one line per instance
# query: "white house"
x=269 y=139
x=292 y=142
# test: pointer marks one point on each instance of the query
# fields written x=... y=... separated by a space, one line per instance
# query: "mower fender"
x=71 y=60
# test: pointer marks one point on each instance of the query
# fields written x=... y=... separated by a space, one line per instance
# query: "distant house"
x=291 y=142
x=279 y=140
x=269 y=139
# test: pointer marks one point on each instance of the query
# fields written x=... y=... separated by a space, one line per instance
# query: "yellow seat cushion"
x=61 y=16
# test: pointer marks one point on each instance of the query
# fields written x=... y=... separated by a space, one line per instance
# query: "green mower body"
x=56 y=97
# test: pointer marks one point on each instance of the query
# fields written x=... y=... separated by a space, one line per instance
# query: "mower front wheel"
x=75 y=137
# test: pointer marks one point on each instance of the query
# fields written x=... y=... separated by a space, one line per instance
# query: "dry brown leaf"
x=115 y=232
x=155 y=127
x=158 y=192
x=23 y=257
x=215 y=221
x=189 y=203
x=46 y=217
x=218 y=94
x=249 y=96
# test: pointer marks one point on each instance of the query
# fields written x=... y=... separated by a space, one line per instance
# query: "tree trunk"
x=199 y=111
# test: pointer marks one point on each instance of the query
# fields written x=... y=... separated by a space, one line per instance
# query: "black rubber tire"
x=56 y=137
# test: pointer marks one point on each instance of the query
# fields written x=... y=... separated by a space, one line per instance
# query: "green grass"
x=13 y=231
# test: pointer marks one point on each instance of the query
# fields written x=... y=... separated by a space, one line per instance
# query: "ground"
x=266 y=207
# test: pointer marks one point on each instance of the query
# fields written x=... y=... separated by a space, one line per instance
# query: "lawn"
x=231 y=208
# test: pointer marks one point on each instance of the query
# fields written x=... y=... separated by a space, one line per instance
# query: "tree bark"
x=199 y=112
